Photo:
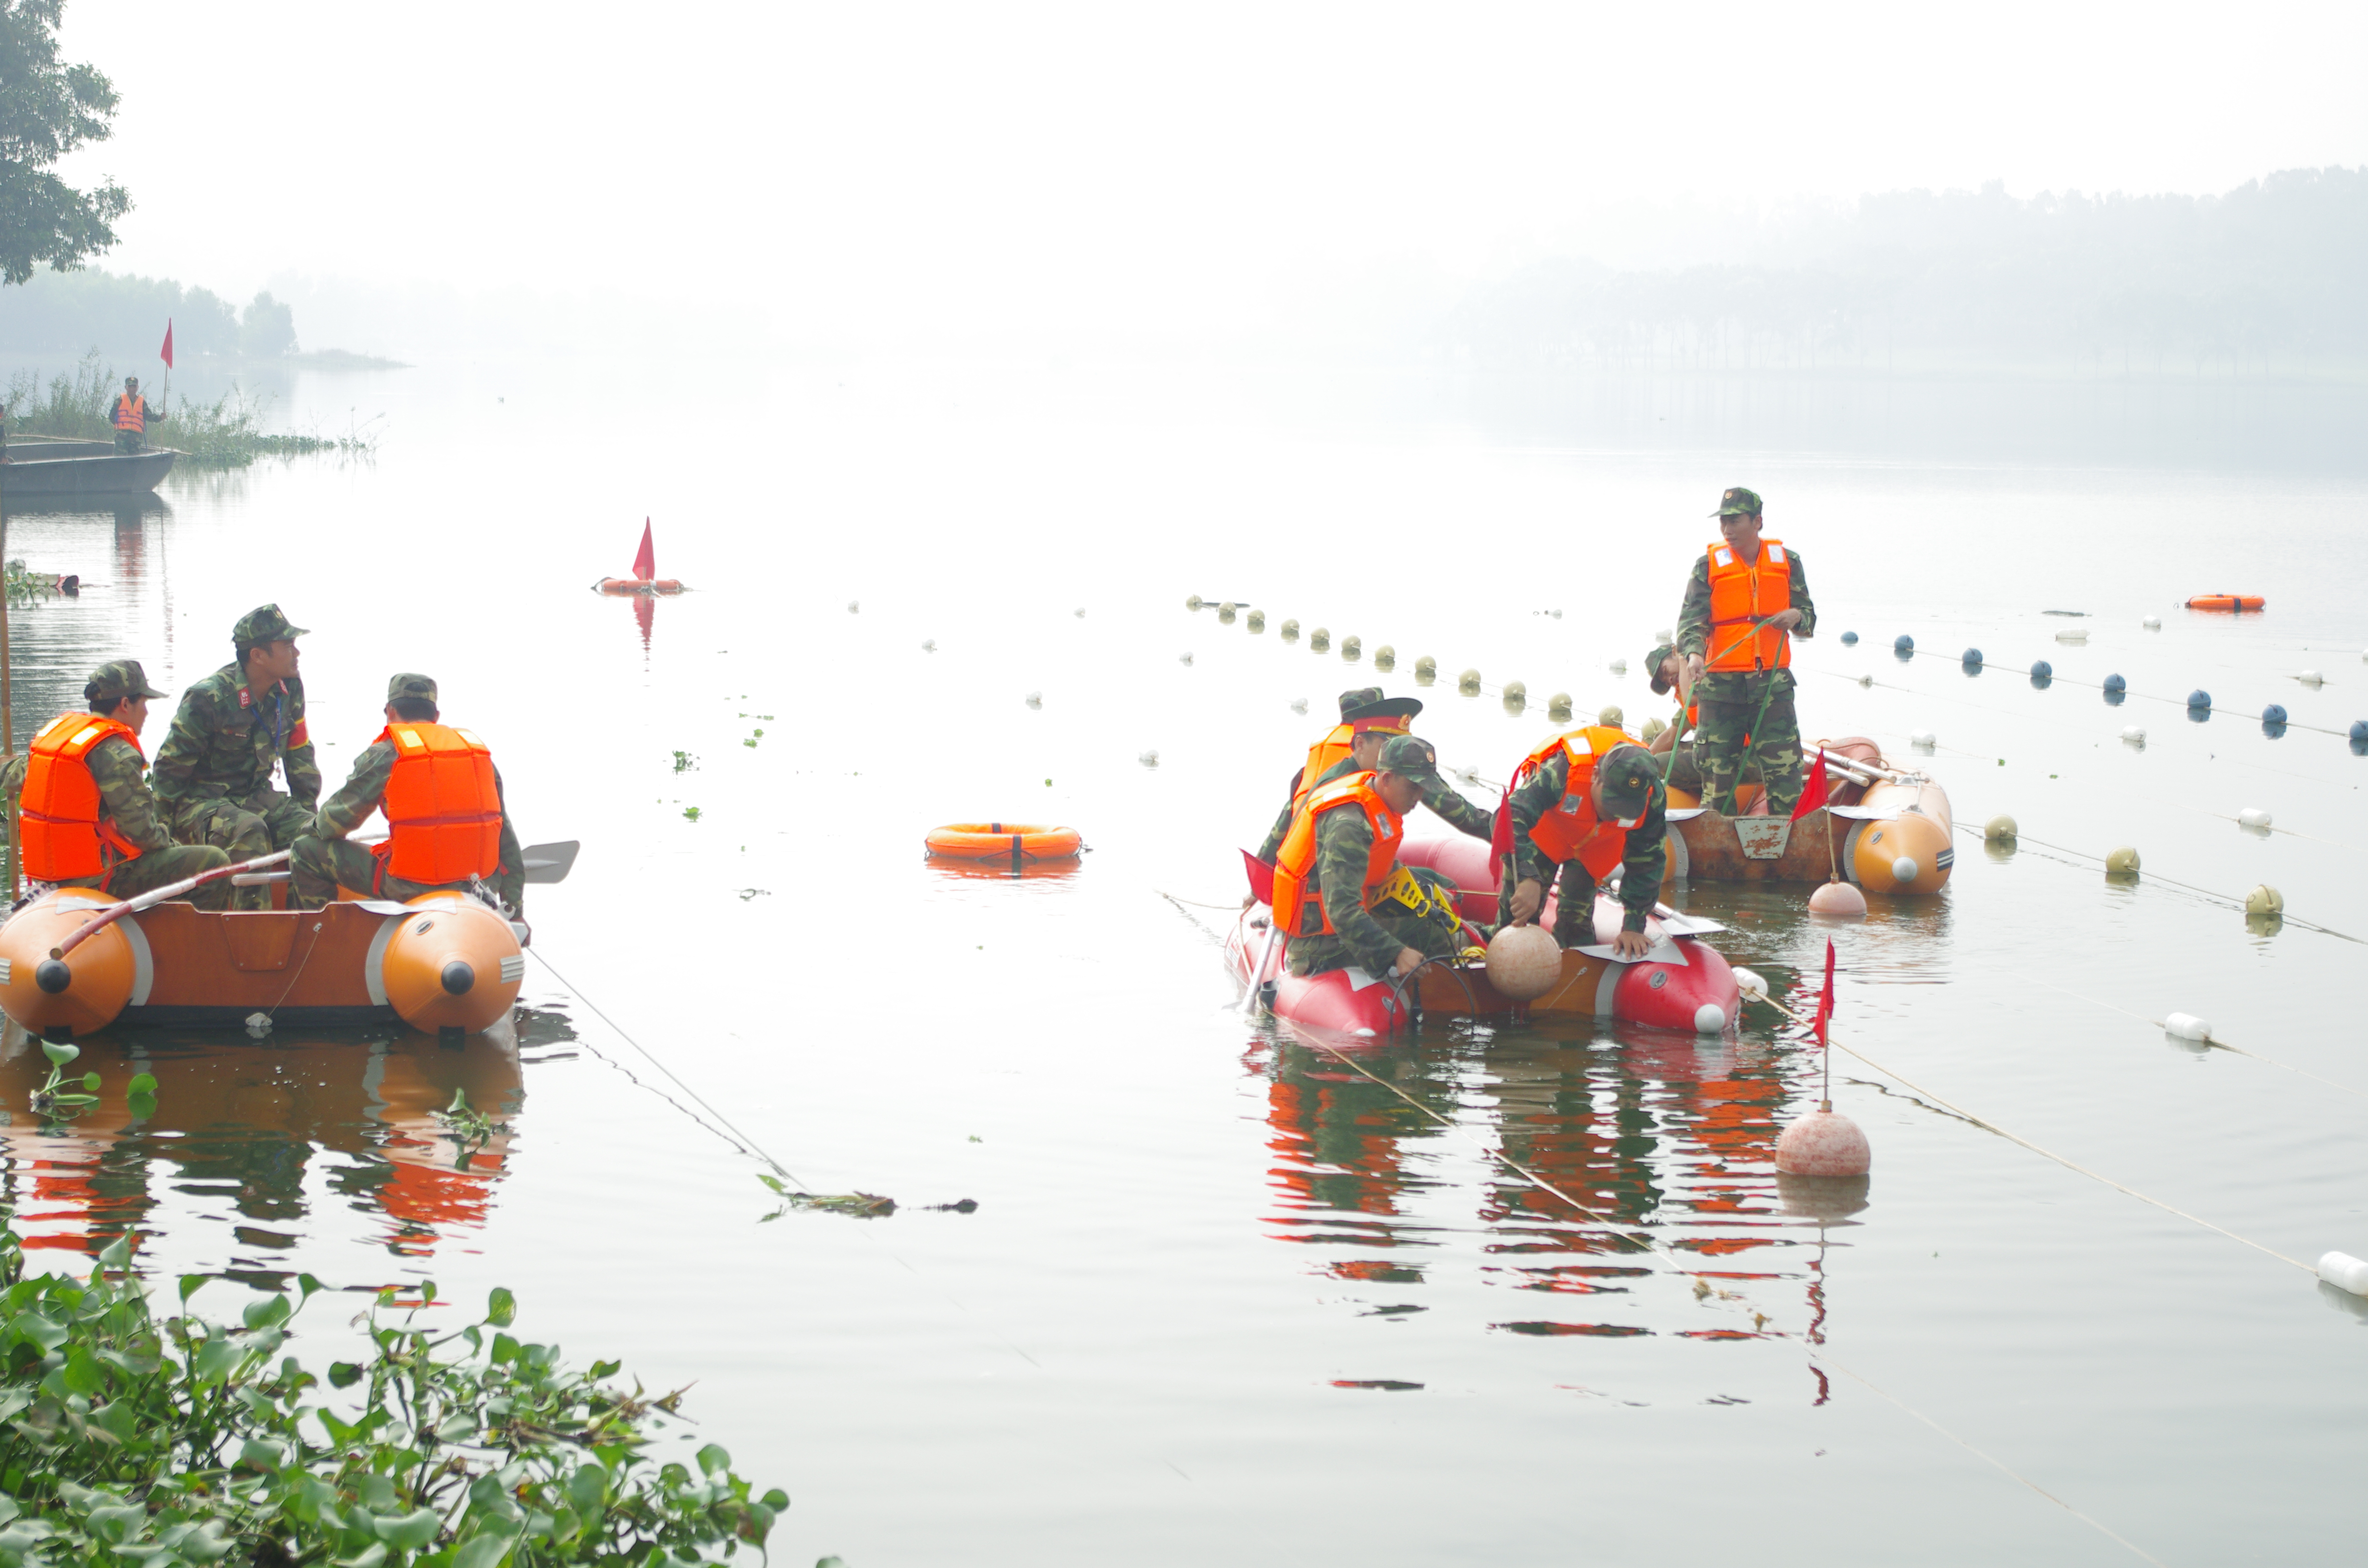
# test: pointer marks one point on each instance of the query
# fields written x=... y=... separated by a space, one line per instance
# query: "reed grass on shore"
x=226 y=433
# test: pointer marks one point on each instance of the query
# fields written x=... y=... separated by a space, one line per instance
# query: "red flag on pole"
x=1261 y=877
x=1813 y=794
x=645 y=559
x=167 y=350
x=1825 y=1000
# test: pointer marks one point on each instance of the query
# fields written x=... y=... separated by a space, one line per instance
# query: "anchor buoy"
x=638 y=586
x=1004 y=841
x=2226 y=601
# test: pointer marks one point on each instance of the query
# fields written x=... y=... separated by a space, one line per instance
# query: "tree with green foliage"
x=268 y=330
x=46 y=110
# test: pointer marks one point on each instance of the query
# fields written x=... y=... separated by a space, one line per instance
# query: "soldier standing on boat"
x=1743 y=605
x=447 y=825
x=1581 y=804
x=85 y=817
x=233 y=728
x=132 y=416
x=1340 y=896
x=1680 y=767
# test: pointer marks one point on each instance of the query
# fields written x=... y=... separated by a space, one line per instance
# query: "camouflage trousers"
x=319 y=867
x=1573 y=909
x=1685 y=769
x=1721 y=732
x=258 y=825
x=160 y=867
x=1431 y=938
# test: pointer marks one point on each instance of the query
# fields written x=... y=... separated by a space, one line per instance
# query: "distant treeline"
x=2267 y=278
x=73 y=311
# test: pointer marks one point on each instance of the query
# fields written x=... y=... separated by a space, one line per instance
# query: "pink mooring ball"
x=1837 y=898
x=1524 y=962
x=1825 y=1143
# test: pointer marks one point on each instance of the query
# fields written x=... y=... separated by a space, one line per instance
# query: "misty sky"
x=910 y=161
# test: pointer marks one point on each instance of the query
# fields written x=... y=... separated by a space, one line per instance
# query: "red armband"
x=298 y=736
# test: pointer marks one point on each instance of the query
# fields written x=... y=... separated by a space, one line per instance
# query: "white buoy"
x=1524 y=962
x=1081 y=612
x=2253 y=816
x=1035 y=700
x=2133 y=734
x=1824 y=1143
x=1710 y=1018
x=2072 y=637
x=852 y=605
x=2000 y=826
x=1924 y=738
x=1183 y=658
x=1195 y=602
x=929 y=644
x=1866 y=680
x=2345 y=1272
x=1609 y=716
x=1556 y=613
x=1299 y=705
x=1620 y=667
x=1750 y=982
x=2152 y=623
x=1665 y=637
x=2186 y=1025
x=2265 y=900
x=1904 y=869
x=1149 y=759
x=2311 y=677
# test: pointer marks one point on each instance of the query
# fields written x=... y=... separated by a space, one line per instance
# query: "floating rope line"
x=2214 y=1044
x=1985 y=1122
x=2140 y=696
x=1826 y=1358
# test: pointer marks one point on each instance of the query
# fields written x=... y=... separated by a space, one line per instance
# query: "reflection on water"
x=1648 y=1130
x=251 y=1135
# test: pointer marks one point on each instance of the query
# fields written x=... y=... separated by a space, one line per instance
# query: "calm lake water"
x=1222 y=1300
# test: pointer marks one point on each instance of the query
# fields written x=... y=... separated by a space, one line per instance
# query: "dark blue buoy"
x=1903 y=644
x=2115 y=683
x=2199 y=715
x=1850 y=638
x=2360 y=729
x=2043 y=670
x=2199 y=697
x=2274 y=714
x=2115 y=697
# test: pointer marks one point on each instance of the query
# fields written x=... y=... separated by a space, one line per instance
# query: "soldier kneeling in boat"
x=1585 y=802
x=1339 y=894
x=447 y=827
x=86 y=817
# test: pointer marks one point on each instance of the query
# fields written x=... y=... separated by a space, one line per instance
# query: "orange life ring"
x=2226 y=601
x=1004 y=841
x=638 y=586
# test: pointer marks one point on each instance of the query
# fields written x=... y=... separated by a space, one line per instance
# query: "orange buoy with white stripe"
x=1016 y=842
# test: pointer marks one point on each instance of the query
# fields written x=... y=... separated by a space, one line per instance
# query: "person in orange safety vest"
x=1746 y=602
x=131 y=416
x=81 y=812
x=447 y=826
x=1334 y=877
x=1579 y=806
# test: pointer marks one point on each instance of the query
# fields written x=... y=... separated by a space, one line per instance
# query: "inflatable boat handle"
x=115 y=912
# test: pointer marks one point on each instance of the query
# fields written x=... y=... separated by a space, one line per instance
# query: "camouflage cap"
x=409 y=684
x=124 y=678
x=1738 y=503
x=264 y=624
x=1413 y=759
x=1358 y=698
x=1623 y=781
x=1653 y=661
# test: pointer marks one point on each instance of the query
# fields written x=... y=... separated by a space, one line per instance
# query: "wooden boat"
x=1885 y=828
x=41 y=470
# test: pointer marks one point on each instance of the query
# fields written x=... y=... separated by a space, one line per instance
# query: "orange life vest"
x=62 y=821
x=1572 y=828
x=1296 y=860
x=1743 y=592
x=443 y=810
x=1334 y=746
x=131 y=413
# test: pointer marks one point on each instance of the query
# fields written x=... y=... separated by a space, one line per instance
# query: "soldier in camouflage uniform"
x=1627 y=788
x=1389 y=938
x=1366 y=702
x=121 y=691
x=213 y=772
x=1681 y=766
x=324 y=859
x=1748 y=703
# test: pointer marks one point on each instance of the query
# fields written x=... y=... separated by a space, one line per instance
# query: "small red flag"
x=1825 y=1001
x=168 y=342
x=1814 y=794
x=1262 y=877
x=645 y=559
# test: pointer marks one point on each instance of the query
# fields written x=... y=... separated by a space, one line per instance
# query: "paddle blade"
x=551 y=862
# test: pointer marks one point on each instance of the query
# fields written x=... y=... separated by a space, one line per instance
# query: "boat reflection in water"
x=253 y=1131
x=1658 y=1132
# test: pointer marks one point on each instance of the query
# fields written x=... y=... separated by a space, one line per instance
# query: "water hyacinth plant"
x=179 y=1443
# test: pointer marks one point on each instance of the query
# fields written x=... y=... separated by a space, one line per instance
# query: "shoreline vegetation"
x=224 y=433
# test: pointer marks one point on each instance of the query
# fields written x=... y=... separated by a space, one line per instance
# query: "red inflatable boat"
x=1682 y=982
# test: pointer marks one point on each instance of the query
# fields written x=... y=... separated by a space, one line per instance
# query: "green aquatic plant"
x=61 y=1096
x=860 y=1205
x=469 y=1129
x=177 y=1442
x=690 y=813
x=683 y=762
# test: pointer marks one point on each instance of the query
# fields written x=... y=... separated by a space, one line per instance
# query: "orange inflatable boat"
x=1885 y=828
x=2226 y=601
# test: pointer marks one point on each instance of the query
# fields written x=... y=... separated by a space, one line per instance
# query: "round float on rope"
x=2122 y=862
x=2115 y=683
x=1425 y=667
x=2134 y=735
x=1841 y=900
x=2186 y=1025
x=1192 y=601
x=1290 y=632
x=2265 y=900
x=1225 y=612
x=1524 y=962
x=2311 y=677
x=1850 y=638
x=2359 y=732
x=1609 y=716
x=1385 y=658
x=1468 y=682
x=1923 y=739
x=1903 y=644
x=1007 y=841
x=1255 y=621
x=2252 y=816
x=1824 y=1143
x=1999 y=827
x=1319 y=640
x=1652 y=732
x=2041 y=672
x=1971 y=659
x=2274 y=713
x=1516 y=691
x=1620 y=667
x=1351 y=648
x=2152 y=623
